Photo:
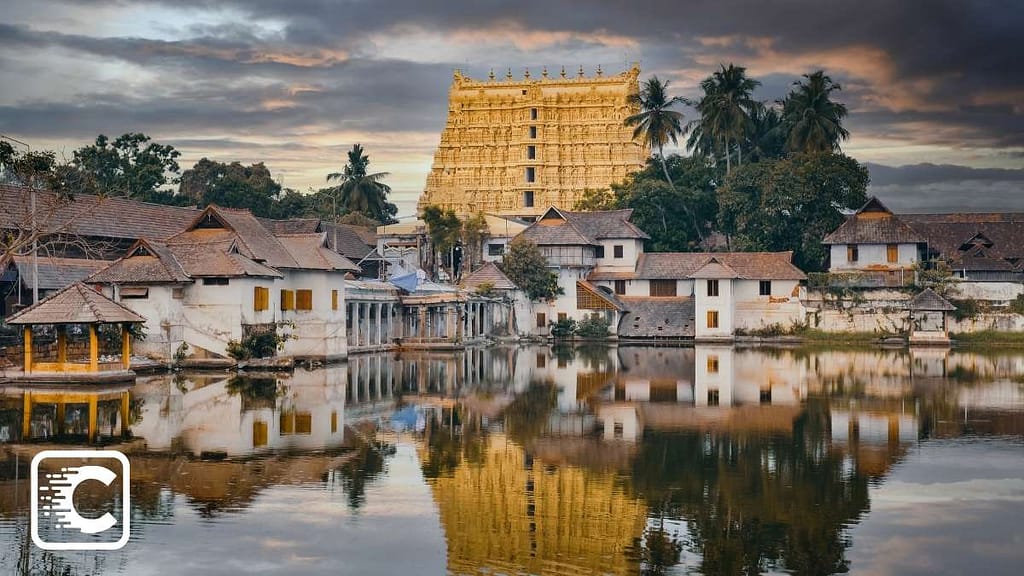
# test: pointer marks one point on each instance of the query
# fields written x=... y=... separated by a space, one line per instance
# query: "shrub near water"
x=593 y=326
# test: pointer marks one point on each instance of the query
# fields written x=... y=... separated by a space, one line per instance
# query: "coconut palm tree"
x=767 y=138
x=359 y=191
x=813 y=118
x=725 y=112
x=657 y=125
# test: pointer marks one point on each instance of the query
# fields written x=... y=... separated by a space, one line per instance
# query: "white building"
x=602 y=267
x=225 y=277
x=873 y=239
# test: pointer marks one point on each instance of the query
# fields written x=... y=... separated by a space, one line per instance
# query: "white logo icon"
x=53 y=500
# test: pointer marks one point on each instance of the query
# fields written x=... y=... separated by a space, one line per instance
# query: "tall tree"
x=232 y=185
x=132 y=166
x=767 y=138
x=791 y=204
x=444 y=229
x=814 y=120
x=474 y=234
x=527 y=268
x=360 y=191
x=658 y=125
x=725 y=110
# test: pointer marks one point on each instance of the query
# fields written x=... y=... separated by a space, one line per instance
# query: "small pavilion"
x=929 y=318
x=76 y=305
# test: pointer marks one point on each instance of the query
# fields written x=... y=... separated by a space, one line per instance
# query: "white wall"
x=684 y=287
x=631 y=250
x=871 y=255
x=163 y=315
x=706 y=380
x=318 y=333
x=723 y=303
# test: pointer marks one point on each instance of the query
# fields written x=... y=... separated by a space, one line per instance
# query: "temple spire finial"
x=491 y=75
x=581 y=71
x=563 y=71
x=527 y=74
x=509 y=75
x=599 y=71
x=545 y=72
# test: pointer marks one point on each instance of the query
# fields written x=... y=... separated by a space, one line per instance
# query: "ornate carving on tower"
x=513 y=145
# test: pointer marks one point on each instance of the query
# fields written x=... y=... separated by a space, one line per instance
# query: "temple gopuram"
x=514 y=147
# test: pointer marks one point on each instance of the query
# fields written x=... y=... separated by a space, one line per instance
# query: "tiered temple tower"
x=517 y=146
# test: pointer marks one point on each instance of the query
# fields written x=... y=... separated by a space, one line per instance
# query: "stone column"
x=380 y=332
x=422 y=328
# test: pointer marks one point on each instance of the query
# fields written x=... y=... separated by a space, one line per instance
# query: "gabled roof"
x=746 y=265
x=76 y=304
x=715 y=268
x=347 y=241
x=56 y=273
x=562 y=227
x=216 y=224
x=928 y=299
x=873 y=223
x=220 y=259
x=292 y=225
x=146 y=262
x=489 y=273
x=310 y=252
x=88 y=215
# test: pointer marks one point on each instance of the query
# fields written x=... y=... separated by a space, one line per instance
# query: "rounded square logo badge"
x=80 y=499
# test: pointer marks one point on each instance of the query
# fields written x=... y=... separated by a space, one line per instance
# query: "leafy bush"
x=1017 y=305
x=564 y=328
x=257 y=343
x=966 y=309
x=593 y=326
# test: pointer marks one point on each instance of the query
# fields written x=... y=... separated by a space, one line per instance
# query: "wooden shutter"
x=287 y=300
x=303 y=299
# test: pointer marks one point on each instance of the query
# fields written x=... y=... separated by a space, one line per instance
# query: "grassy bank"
x=989 y=338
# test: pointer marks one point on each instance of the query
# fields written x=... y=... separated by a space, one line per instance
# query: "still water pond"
x=631 y=460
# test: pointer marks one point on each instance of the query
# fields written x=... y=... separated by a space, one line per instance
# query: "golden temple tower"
x=517 y=146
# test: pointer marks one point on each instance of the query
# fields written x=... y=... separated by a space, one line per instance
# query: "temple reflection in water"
x=591 y=460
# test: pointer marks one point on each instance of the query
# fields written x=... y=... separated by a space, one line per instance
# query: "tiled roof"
x=56 y=273
x=884 y=230
x=292 y=226
x=605 y=295
x=490 y=274
x=747 y=265
x=950 y=235
x=657 y=318
x=146 y=263
x=94 y=216
x=76 y=304
x=255 y=241
x=346 y=240
x=928 y=299
x=561 y=227
x=310 y=252
x=217 y=259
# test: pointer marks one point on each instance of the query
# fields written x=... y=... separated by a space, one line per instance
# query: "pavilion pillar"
x=460 y=322
x=61 y=417
x=93 y=415
x=26 y=416
x=422 y=328
x=94 y=349
x=28 y=349
x=124 y=413
x=62 y=345
x=380 y=330
x=126 y=347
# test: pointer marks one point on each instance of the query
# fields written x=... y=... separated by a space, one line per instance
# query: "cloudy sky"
x=935 y=87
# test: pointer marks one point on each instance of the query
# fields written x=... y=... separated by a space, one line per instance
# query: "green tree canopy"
x=232 y=185
x=791 y=204
x=527 y=268
x=132 y=165
x=814 y=121
x=725 y=114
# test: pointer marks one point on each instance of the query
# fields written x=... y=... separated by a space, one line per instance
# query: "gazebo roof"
x=76 y=304
x=928 y=299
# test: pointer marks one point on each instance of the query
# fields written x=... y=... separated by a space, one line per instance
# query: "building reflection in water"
x=554 y=460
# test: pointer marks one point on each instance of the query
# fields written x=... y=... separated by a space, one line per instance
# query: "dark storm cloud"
x=948 y=188
x=926 y=72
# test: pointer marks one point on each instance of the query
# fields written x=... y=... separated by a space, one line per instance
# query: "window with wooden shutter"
x=712 y=364
x=892 y=253
x=712 y=288
x=260 y=298
x=663 y=288
x=852 y=253
x=287 y=300
x=304 y=300
x=334 y=299
x=542 y=320
x=259 y=434
x=712 y=318
x=620 y=286
x=765 y=288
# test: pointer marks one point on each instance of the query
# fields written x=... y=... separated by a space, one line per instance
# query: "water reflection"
x=537 y=460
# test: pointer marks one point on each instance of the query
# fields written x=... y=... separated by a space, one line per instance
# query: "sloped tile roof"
x=747 y=265
x=928 y=299
x=292 y=225
x=488 y=273
x=886 y=230
x=347 y=241
x=216 y=259
x=561 y=227
x=715 y=268
x=147 y=262
x=310 y=252
x=93 y=215
x=76 y=304
x=56 y=273
x=605 y=295
x=657 y=318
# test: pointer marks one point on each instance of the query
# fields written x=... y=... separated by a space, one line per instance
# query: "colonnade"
x=371 y=324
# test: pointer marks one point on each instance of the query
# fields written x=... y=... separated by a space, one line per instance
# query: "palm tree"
x=725 y=111
x=813 y=119
x=358 y=191
x=657 y=125
x=767 y=138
